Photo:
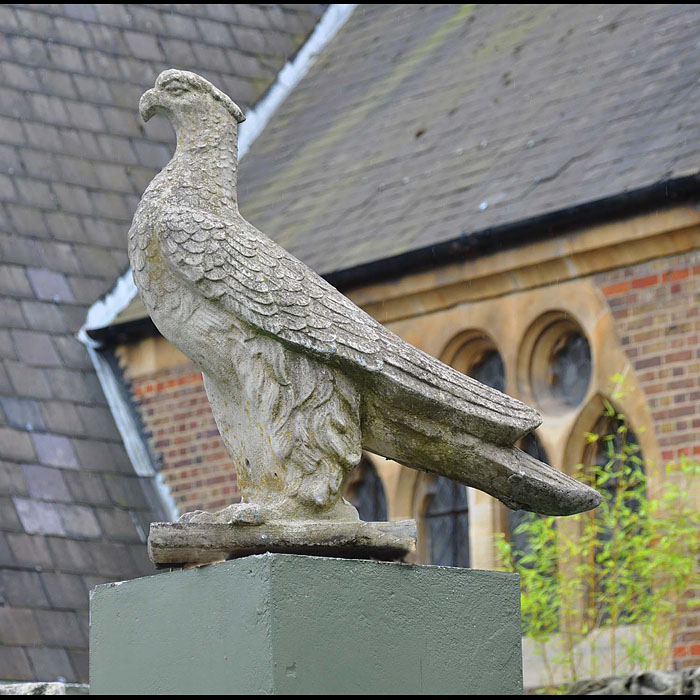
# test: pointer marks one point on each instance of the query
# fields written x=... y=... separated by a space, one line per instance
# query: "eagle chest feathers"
x=290 y=423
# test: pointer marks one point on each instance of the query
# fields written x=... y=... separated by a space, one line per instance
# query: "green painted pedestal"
x=287 y=624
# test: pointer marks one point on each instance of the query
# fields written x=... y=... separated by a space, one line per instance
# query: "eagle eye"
x=175 y=88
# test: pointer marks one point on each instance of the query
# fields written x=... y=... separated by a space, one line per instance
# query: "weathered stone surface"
x=685 y=682
x=50 y=688
x=173 y=544
x=299 y=378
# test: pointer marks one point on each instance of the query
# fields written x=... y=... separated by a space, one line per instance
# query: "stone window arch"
x=474 y=353
x=555 y=363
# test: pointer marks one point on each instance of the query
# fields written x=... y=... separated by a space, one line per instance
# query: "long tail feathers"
x=423 y=442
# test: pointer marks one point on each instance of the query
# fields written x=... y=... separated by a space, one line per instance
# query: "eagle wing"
x=268 y=288
x=265 y=286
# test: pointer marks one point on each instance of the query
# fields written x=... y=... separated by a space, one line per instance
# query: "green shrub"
x=627 y=565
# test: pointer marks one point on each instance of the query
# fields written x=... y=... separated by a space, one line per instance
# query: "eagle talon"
x=235 y=514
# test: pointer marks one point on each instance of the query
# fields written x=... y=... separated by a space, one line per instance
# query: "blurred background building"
x=512 y=188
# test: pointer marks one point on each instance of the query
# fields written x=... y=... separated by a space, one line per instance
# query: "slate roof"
x=423 y=123
x=74 y=159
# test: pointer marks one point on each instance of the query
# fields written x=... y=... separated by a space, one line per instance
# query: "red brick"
x=675 y=275
x=645 y=282
x=617 y=288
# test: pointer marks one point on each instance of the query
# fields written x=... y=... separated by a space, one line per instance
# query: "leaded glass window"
x=489 y=370
x=558 y=355
x=447 y=523
x=570 y=368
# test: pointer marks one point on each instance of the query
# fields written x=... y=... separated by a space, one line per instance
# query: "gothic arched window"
x=365 y=491
x=446 y=519
x=614 y=466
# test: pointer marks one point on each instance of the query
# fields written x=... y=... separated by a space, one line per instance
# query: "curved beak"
x=149 y=103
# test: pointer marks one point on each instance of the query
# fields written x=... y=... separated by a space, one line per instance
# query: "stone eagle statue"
x=300 y=379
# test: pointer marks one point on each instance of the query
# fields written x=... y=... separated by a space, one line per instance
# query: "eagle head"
x=185 y=97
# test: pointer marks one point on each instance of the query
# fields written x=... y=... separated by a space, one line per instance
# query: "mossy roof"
x=422 y=123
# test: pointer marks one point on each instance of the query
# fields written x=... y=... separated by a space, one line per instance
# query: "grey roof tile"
x=13 y=281
x=11 y=479
x=11 y=131
x=79 y=521
x=81 y=663
x=66 y=591
x=5 y=385
x=113 y=559
x=35 y=23
x=61 y=629
x=27 y=381
x=11 y=315
x=18 y=626
x=6 y=556
x=62 y=417
x=50 y=285
x=44 y=317
x=38 y=517
x=125 y=491
x=45 y=483
x=98 y=422
x=8 y=192
x=71 y=556
x=23 y=589
x=15 y=444
x=55 y=450
x=87 y=289
x=7 y=347
x=14 y=665
x=102 y=456
x=52 y=664
x=29 y=550
x=89 y=488
x=24 y=414
x=8 y=516
x=70 y=349
x=36 y=348
x=28 y=221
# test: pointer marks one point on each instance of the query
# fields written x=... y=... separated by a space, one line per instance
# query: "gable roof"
x=422 y=125
x=74 y=160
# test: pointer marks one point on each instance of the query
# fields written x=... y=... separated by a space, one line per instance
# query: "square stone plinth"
x=289 y=624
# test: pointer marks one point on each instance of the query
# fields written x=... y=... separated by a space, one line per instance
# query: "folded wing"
x=268 y=288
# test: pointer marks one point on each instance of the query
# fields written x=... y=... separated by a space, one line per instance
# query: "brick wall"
x=184 y=439
x=655 y=305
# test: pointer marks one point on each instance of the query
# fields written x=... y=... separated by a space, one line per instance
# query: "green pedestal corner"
x=289 y=624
